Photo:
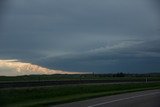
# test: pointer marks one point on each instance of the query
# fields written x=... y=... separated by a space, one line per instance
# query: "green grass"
x=43 y=96
x=59 y=77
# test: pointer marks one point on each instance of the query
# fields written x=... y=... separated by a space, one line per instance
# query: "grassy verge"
x=43 y=96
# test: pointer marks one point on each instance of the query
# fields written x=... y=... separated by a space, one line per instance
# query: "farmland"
x=61 y=77
x=55 y=89
x=43 y=96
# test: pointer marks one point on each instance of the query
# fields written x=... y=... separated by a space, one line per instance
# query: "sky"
x=101 y=36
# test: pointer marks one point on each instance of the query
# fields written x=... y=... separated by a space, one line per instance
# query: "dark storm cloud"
x=127 y=56
x=82 y=35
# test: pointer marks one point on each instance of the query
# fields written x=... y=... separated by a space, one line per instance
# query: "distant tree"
x=121 y=74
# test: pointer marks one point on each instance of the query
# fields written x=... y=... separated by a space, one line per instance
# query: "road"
x=19 y=84
x=150 y=98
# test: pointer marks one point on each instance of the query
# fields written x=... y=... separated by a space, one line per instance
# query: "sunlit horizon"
x=14 y=67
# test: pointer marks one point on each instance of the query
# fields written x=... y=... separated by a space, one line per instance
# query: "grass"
x=59 y=77
x=43 y=96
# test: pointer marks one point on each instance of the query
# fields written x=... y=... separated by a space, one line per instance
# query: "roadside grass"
x=44 y=96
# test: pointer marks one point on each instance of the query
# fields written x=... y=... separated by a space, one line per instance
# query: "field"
x=59 y=77
x=42 y=96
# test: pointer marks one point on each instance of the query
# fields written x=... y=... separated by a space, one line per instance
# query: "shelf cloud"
x=103 y=36
x=15 y=67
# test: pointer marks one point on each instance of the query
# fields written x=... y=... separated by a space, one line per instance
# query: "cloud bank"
x=15 y=67
x=101 y=36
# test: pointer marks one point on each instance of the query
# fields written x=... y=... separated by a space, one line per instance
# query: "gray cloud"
x=99 y=36
x=135 y=56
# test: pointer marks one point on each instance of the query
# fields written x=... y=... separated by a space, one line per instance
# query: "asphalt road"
x=150 y=98
x=19 y=84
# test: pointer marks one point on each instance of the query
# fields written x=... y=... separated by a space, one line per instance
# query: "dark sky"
x=100 y=36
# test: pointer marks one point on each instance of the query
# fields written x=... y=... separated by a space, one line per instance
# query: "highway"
x=150 y=98
x=19 y=84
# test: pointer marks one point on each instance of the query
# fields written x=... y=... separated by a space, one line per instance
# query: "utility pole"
x=146 y=79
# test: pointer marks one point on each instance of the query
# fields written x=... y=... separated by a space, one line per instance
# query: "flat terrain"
x=60 y=94
x=149 y=98
x=51 y=80
x=49 y=90
x=68 y=82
